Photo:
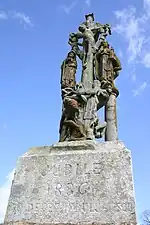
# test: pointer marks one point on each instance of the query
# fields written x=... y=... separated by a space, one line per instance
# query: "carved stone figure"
x=68 y=71
x=114 y=66
x=90 y=32
x=115 y=62
x=107 y=66
x=73 y=41
x=100 y=67
x=70 y=126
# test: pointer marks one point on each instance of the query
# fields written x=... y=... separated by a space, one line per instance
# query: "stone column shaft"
x=111 y=119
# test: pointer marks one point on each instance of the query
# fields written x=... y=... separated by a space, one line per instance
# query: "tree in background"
x=146 y=217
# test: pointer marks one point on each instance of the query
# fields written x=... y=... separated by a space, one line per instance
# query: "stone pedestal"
x=73 y=183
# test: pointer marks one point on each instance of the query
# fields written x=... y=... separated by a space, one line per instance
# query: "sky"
x=33 y=44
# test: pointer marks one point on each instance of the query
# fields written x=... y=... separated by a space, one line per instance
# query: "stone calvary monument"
x=100 y=67
x=79 y=180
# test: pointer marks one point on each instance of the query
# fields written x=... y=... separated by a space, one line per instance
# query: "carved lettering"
x=37 y=206
x=84 y=188
x=73 y=206
x=119 y=182
x=30 y=206
x=57 y=204
x=79 y=169
x=56 y=170
x=70 y=188
x=43 y=173
x=97 y=167
x=128 y=206
x=95 y=190
x=68 y=169
x=86 y=168
x=73 y=189
x=90 y=207
x=58 y=189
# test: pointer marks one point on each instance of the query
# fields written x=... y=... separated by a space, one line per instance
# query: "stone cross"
x=82 y=101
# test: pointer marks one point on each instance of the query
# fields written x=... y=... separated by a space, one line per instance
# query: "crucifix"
x=82 y=101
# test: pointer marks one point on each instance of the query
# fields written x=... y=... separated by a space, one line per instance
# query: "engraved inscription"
x=90 y=207
x=94 y=168
x=83 y=188
x=69 y=188
x=68 y=169
x=97 y=167
x=56 y=170
x=58 y=189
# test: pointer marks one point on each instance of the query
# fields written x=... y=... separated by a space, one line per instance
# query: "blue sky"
x=33 y=44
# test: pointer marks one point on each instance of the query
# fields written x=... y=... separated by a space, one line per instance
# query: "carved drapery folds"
x=68 y=71
x=81 y=101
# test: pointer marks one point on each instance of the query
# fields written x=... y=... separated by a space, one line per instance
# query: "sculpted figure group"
x=81 y=101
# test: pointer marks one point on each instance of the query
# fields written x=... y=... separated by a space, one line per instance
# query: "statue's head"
x=112 y=49
x=96 y=83
x=81 y=29
x=89 y=17
x=71 y=54
x=105 y=44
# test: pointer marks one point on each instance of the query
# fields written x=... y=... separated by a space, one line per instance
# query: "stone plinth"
x=73 y=183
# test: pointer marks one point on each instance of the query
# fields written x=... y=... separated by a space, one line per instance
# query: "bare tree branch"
x=146 y=217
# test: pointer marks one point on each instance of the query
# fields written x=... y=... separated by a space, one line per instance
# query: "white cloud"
x=68 y=9
x=147 y=6
x=21 y=17
x=3 y=15
x=146 y=60
x=129 y=28
x=134 y=30
x=4 y=194
x=140 y=89
x=24 y=19
x=88 y=2
x=132 y=73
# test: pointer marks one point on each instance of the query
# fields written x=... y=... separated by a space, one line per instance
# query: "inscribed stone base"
x=80 y=182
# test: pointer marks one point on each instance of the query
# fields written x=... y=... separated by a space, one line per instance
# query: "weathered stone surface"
x=73 y=183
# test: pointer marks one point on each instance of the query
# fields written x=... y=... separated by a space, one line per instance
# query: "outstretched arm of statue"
x=78 y=51
x=77 y=35
x=73 y=41
x=103 y=92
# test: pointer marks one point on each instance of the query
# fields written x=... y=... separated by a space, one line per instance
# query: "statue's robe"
x=68 y=72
